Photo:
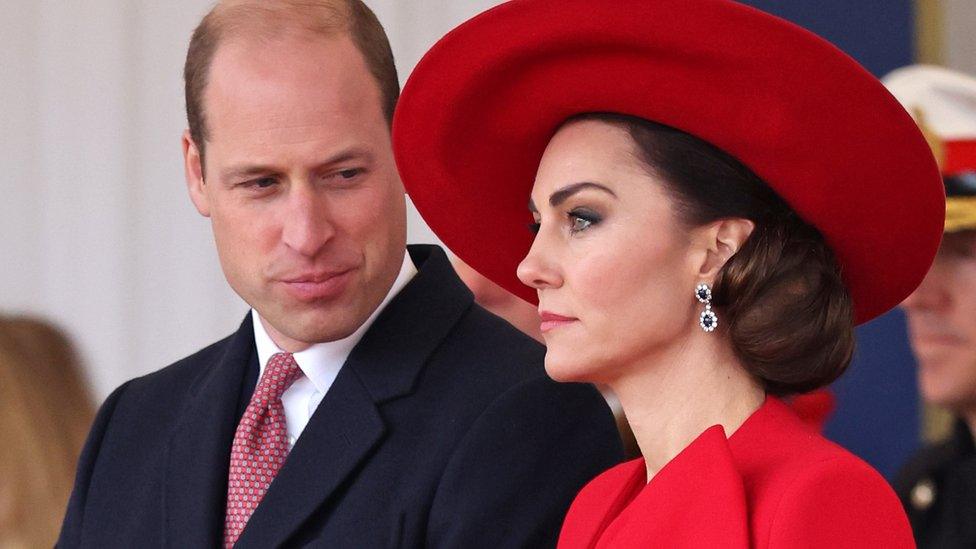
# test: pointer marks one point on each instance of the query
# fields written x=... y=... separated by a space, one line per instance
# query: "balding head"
x=260 y=20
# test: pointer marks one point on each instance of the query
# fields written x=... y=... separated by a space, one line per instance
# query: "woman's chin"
x=566 y=371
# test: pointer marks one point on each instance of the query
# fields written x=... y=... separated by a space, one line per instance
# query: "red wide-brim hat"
x=479 y=109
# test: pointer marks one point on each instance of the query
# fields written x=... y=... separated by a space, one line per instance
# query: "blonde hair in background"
x=45 y=413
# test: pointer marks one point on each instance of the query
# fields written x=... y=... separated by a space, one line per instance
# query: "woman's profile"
x=714 y=198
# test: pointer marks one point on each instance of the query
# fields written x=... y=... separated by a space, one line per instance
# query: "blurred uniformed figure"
x=938 y=485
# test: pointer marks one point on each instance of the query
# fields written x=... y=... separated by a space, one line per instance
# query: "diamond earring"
x=708 y=319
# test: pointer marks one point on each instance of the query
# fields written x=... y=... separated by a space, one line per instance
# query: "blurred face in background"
x=942 y=325
x=300 y=185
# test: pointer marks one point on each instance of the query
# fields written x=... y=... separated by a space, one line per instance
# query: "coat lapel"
x=198 y=455
x=704 y=478
x=345 y=427
x=348 y=423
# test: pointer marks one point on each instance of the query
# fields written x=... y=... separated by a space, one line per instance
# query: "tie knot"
x=281 y=372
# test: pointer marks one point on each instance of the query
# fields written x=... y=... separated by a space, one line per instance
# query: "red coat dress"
x=775 y=483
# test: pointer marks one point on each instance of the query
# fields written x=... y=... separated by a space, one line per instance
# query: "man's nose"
x=307 y=224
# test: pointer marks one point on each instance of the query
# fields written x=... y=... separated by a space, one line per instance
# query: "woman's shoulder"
x=777 y=445
x=805 y=487
x=612 y=482
x=839 y=500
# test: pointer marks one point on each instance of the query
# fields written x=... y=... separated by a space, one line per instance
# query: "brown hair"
x=322 y=18
x=46 y=413
x=781 y=297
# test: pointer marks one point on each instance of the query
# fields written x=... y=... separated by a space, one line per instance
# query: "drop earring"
x=708 y=319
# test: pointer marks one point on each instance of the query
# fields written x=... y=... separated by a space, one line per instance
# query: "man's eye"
x=534 y=227
x=342 y=178
x=262 y=183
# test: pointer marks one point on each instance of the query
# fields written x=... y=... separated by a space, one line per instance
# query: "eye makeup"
x=582 y=218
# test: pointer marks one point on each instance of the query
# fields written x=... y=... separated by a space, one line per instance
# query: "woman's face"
x=614 y=267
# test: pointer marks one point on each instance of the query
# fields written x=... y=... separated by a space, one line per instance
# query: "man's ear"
x=193 y=169
x=723 y=238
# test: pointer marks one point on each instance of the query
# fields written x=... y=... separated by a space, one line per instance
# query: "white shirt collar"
x=321 y=362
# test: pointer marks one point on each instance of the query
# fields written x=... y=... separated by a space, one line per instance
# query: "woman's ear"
x=722 y=239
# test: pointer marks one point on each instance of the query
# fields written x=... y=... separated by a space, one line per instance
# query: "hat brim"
x=479 y=109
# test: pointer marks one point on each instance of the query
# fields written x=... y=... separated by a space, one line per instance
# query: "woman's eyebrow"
x=561 y=195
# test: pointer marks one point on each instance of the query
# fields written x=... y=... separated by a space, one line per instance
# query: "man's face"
x=300 y=186
x=942 y=325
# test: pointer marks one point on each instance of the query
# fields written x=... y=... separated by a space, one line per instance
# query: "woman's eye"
x=579 y=224
x=581 y=220
x=534 y=227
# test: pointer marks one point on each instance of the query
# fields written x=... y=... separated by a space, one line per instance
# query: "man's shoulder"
x=501 y=370
x=172 y=383
x=187 y=369
x=482 y=336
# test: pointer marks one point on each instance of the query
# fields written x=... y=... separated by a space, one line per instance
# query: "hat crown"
x=807 y=119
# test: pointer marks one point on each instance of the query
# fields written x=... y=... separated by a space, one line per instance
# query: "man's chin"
x=304 y=326
x=321 y=332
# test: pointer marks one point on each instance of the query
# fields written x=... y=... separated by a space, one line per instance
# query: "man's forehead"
x=288 y=56
x=289 y=83
x=261 y=19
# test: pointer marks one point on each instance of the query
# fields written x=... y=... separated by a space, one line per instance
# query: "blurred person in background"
x=45 y=412
x=938 y=485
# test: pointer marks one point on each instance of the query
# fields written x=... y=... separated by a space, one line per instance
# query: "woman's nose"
x=538 y=270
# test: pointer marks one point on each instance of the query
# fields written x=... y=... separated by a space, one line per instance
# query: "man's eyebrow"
x=244 y=171
x=251 y=170
x=352 y=153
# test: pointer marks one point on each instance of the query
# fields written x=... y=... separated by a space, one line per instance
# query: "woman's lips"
x=551 y=321
x=317 y=287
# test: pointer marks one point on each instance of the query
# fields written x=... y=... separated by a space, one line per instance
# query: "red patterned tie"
x=260 y=445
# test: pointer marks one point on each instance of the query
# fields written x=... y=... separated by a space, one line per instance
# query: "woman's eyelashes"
x=577 y=219
x=581 y=219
